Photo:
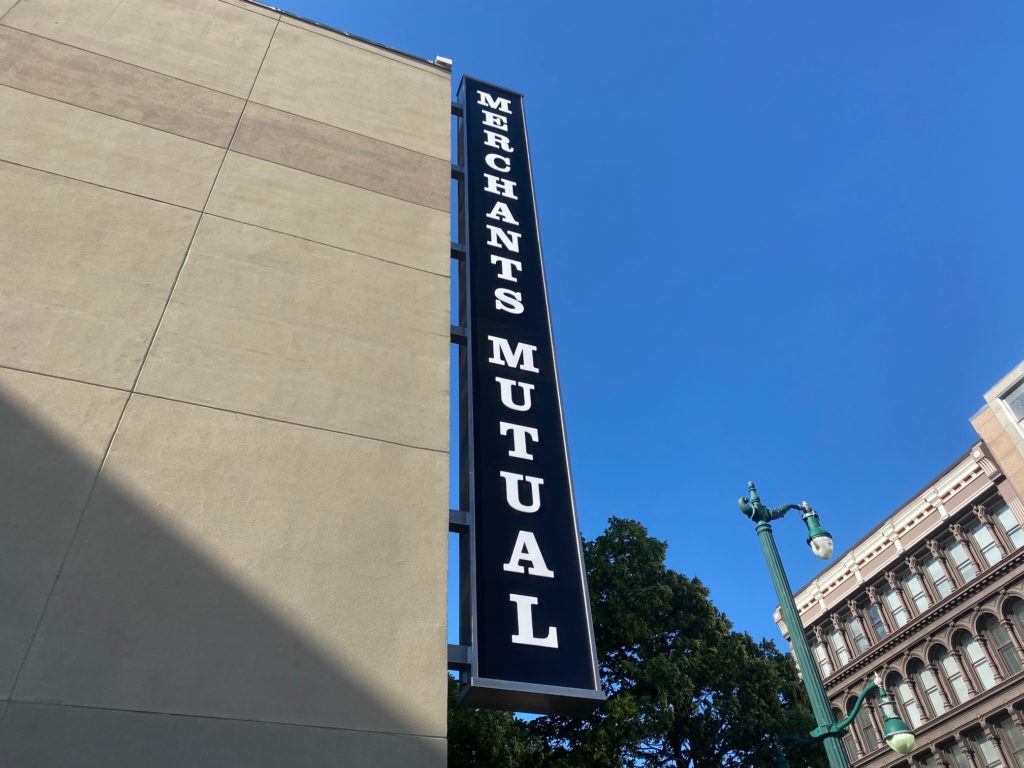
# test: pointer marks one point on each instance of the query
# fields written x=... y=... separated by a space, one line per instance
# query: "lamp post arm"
x=838 y=728
x=758 y=512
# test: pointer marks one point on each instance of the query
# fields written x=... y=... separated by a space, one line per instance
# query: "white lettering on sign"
x=508 y=300
x=506 y=385
x=512 y=481
x=507 y=265
x=499 y=186
x=527 y=550
x=522 y=492
x=499 y=163
x=502 y=354
x=496 y=140
x=509 y=240
x=501 y=212
x=519 y=435
x=495 y=120
x=524 y=616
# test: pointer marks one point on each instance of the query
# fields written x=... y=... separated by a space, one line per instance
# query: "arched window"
x=866 y=729
x=927 y=687
x=907 y=698
x=974 y=656
x=957 y=686
x=1015 y=613
x=1010 y=525
x=848 y=741
x=1000 y=644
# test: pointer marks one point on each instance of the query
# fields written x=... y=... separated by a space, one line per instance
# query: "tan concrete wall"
x=1004 y=438
x=223 y=390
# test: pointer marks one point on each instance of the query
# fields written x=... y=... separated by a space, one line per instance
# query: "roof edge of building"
x=441 y=67
x=849 y=550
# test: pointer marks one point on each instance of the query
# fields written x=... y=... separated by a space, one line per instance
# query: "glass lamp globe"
x=821 y=546
x=897 y=733
x=902 y=742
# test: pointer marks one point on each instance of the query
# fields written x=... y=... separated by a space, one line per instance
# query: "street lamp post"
x=897 y=733
x=821 y=544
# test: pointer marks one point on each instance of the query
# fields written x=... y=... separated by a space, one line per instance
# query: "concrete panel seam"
x=346 y=183
x=2 y=17
x=119 y=61
x=228 y=218
x=348 y=130
x=113 y=117
x=209 y=194
x=298 y=424
x=253 y=10
x=65 y=378
x=100 y=186
x=329 y=245
x=64 y=558
x=158 y=713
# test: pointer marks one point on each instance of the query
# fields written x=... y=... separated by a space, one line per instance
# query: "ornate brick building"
x=932 y=600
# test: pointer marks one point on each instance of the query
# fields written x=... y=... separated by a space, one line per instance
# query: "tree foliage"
x=480 y=738
x=684 y=689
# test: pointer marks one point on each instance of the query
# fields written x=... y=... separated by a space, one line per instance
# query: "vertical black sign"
x=533 y=642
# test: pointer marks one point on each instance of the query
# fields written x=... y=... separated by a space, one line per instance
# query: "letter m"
x=501 y=105
x=502 y=354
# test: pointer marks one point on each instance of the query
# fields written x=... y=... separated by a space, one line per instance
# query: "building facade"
x=932 y=601
x=224 y=390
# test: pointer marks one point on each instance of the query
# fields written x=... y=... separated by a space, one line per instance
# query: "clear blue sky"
x=784 y=242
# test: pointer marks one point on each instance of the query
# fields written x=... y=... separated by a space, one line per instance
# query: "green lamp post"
x=897 y=733
x=821 y=545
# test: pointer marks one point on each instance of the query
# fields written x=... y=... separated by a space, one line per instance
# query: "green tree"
x=480 y=738
x=684 y=689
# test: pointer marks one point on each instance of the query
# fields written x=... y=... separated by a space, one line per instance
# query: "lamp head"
x=897 y=733
x=819 y=540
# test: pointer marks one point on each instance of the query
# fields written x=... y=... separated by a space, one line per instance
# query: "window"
x=1013 y=740
x=986 y=543
x=821 y=655
x=954 y=676
x=842 y=652
x=999 y=639
x=927 y=687
x=1015 y=612
x=906 y=696
x=914 y=587
x=1010 y=524
x=957 y=755
x=985 y=751
x=940 y=579
x=866 y=728
x=896 y=609
x=975 y=656
x=928 y=761
x=958 y=555
x=877 y=623
x=848 y=741
x=1015 y=402
x=855 y=632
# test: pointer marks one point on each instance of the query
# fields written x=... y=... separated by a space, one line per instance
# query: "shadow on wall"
x=149 y=653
